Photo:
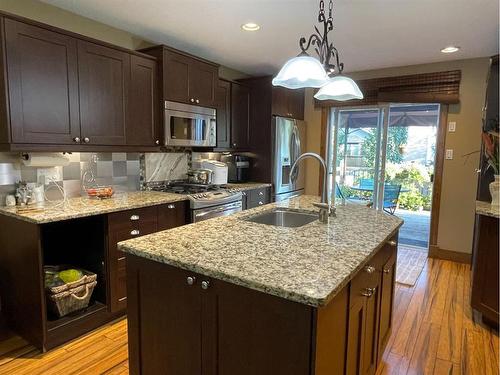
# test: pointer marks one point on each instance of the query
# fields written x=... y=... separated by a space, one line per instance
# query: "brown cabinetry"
x=186 y=78
x=223 y=102
x=256 y=197
x=288 y=103
x=62 y=91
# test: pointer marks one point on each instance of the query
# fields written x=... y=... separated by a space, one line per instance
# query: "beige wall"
x=58 y=17
x=459 y=176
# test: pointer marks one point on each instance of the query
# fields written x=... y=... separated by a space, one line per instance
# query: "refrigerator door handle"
x=296 y=152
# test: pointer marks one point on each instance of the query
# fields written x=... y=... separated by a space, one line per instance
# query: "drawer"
x=258 y=197
x=123 y=234
x=367 y=277
x=132 y=219
x=173 y=215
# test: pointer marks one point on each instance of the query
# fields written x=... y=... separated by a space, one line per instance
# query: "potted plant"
x=491 y=155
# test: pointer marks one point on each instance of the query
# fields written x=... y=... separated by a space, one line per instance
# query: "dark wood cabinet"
x=223 y=101
x=217 y=328
x=256 y=197
x=485 y=276
x=186 y=78
x=42 y=84
x=386 y=302
x=104 y=76
x=240 y=116
x=288 y=103
x=143 y=125
x=173 y=215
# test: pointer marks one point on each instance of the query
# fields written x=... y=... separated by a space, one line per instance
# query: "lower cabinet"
x=185 y=323
x=125 y=225
x=256 y=197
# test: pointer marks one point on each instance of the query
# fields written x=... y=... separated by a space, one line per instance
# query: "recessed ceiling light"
x=250 y=26
x=450 y=49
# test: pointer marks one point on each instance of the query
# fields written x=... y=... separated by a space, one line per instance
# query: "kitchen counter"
x=84 y=206
x=486 y=209
x=248 y=185
x=309 y=264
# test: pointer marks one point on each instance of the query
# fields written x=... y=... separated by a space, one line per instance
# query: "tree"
x=397 y=136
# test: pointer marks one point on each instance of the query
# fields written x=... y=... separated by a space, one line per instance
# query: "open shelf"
x=75 y=317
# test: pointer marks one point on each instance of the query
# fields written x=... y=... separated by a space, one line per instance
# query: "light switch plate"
x=449 y=154
x=452 y=126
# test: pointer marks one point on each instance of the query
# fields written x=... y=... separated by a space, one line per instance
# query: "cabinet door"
x=143 y=112
x=370 y=346
x=386 y=302
x=104 y=83
x=258 y=197
x=223 y=102
x=356 y=337
x=296 y=103
x=172 y=215
x=164 y=319
x=280 y=102
x=202 y=82
x=43 y=84
x=176 y=70
x=240 y=116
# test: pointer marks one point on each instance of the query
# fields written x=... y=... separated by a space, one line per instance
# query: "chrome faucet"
x=325 y=210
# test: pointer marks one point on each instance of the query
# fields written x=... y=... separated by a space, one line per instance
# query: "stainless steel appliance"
x=200 y=176
x=189 y=125
x=288 y=143
x=238 y=167
x=206 y=202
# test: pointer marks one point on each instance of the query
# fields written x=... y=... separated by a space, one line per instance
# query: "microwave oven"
x=189 y=125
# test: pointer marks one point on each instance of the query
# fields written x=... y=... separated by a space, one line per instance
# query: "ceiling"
x=369 y=34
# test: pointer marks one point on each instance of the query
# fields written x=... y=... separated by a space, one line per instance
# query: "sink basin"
x=284 y=218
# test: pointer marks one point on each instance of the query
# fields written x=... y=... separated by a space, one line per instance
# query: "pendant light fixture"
x=326 y=73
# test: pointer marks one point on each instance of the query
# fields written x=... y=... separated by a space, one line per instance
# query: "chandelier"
x=326 y=73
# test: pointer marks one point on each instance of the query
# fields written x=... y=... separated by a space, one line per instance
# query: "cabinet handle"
x=392 y=243
x=190 y=280
x=157 y=142
x=135 y=232
x=386 y=270
x=261 y=203
x=370 y=269
x=261 y=193
x=191 y=100
x=86 y=139
x=171 y=206
x=197 y=101
x=122 y=299
x=76 y=139
x=243 y=193
x=134 y=217
x=368 y=292
x=205 y=285
x=121 y=258
x=234 y=144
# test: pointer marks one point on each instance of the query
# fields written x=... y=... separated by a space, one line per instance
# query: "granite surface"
x=247 y=185
x=309 y=264
x=485 y=208
x=83 y=206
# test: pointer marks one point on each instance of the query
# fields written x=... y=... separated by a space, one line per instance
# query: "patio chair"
x=366 y=183
x=391 y=197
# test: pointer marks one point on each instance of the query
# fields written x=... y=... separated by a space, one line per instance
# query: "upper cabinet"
x=42 y=85
x=223 y=102
x=62 y=91
x=288 y=103
x=186 y=79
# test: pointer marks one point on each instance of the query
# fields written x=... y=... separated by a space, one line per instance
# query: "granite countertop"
x=309 y=264
x=84 y=206
x=485 y=208
x=247 y=185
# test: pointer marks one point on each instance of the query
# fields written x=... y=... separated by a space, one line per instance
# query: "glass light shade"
x=300 y=72
x=339 y=88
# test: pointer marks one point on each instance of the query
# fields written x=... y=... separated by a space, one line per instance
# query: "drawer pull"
x=243 y=193
x=171 y=206
x=261 y=203
x=190 y=280
x=386 y=270
x=368 y=292
x=392 y=243
x=205 y=285
x=134 y=217
x=122 y=299
x=135 y=232
x=370 y=269
x=261 y=193
x=121 y=258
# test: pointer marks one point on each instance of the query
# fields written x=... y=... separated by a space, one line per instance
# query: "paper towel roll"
x=45 y=160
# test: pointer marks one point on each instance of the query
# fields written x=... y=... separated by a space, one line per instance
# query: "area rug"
x=411 y=262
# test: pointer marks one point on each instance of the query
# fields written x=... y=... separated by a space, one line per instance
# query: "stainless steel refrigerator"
x=289 y=143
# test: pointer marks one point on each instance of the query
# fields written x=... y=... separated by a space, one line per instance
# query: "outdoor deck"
x=415 y=230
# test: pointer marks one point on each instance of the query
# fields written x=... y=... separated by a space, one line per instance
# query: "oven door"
x=216 y=211
x=189 y=129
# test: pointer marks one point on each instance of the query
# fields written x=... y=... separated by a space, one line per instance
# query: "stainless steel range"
x=205 y=201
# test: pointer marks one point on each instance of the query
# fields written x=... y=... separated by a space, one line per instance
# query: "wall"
x=459 y=176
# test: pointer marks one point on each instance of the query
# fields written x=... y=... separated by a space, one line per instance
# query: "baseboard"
x=438 y=253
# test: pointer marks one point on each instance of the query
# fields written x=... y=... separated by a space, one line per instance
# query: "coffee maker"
x=238 y=167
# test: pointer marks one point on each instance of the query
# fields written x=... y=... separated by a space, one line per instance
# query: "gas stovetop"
x=201 y=196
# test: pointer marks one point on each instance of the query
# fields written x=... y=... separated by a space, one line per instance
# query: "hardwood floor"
x=434 y=332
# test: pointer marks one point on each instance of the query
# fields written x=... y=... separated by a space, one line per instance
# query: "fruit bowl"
x=101 y=192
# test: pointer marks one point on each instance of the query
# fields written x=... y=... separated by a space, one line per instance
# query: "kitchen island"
x=231 y=296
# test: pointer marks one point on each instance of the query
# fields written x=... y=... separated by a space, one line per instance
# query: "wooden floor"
x=434 y=332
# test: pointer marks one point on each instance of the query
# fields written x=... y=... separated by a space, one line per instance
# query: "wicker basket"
x=70 y=297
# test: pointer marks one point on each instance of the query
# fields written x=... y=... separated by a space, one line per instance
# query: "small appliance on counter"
x=238 y=167
x=200 y=176
x=219 y=170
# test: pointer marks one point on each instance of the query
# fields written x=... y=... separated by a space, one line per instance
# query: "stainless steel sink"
x=281 y=217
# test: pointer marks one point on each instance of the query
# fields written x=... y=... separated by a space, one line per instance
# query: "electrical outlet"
x=46 y=175
x=449 y=154
x=452 y=126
